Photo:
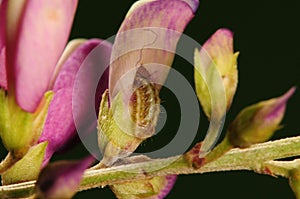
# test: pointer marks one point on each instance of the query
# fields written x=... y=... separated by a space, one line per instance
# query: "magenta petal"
x=3 y=76
x=68 y=72
x=59 y=128
x=278 y=107
x=193 y=4
x=37 y=35
x=3 y=5
x=61 y=179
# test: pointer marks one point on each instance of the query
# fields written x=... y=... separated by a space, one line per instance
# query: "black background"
x=267 y=36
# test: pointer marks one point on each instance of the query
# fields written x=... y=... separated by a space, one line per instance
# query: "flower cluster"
x=38 y=71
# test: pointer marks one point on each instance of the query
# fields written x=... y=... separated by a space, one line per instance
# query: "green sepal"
x=114 y=139
x=19 y=129
x=28 y=168
x=14 y=126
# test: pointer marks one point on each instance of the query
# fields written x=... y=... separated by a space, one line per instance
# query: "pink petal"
x=220 y=48
x=70 y=48
x=3 y=77
x=149 y=34
x=3 y=5
x=37 y=34
x=277 y=109
x=61 y=179
x=59 y=127
x=67 y=74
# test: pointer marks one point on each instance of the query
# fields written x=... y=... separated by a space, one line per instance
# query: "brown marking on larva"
x=143 y=103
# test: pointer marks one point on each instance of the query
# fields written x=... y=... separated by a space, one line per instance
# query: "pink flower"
x=33 y=37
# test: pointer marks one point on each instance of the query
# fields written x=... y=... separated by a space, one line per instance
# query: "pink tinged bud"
x=56 y=132
x=61 y=179
x=155 y=188
x=3 y=76
x=148 y=36
x=257 y=123
x=216 y=52
x=37 y=32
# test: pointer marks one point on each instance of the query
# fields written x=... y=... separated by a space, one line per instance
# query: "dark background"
x=267 y=36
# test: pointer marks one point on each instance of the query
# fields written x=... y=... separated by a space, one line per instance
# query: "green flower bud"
x=257 y=123
x=156 y=187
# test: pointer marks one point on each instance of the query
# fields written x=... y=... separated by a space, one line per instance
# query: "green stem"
x=219 y=150
x=280 y=168
x=251 y=158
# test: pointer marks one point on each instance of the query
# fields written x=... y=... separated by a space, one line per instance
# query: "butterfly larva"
x=144 y=104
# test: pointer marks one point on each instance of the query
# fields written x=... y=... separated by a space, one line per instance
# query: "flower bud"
x=156 y=188
x=216 y=60
x=257 y=123
x=61 y=179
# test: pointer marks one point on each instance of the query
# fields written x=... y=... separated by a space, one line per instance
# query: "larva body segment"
x=144 y=104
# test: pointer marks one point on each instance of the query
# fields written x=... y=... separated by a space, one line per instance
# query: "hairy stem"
x=253 y=158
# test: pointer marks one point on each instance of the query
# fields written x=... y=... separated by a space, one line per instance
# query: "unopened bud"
x=157 y=188
x=216 y=59
x=257 y=123
x=61 y=179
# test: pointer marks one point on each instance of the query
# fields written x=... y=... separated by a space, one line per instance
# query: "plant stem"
x=219 y=150
x=252 y=158
x=282 y=168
